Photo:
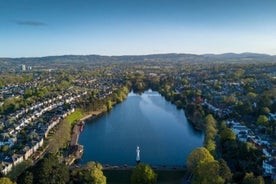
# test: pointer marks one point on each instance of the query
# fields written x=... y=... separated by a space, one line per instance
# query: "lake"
x=162 y=132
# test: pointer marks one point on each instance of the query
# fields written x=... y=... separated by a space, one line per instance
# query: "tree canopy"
x=210 y=134
x=5 y=180
x=262 y=120
x=47 y=171
x=198 y=156
x=208 y=172
x=249 y=178
x=91 y=173
x=143 y=174
x=227 y=135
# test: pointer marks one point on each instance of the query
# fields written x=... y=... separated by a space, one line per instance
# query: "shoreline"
x=76 y=149
x=91 y=114
x=75 y=131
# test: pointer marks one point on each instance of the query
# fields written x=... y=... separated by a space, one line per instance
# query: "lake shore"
x=75 y=149
x=75 y=132
x=92 y=114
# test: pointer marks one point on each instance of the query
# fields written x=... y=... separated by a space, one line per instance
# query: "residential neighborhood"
x=24 y=131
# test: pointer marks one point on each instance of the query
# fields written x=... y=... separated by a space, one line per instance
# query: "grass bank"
x=75 y=116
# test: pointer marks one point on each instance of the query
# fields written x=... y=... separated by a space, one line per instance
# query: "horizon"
x=150 y=54
x=138 y=27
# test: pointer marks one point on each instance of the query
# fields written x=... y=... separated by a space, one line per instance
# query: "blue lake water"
x=161 y=130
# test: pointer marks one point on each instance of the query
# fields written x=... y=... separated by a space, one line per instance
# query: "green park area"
x=75 y=116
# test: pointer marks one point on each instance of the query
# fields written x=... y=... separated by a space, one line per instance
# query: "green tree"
x=211 y=146
x=28 y=93
x=208 y=172
x=230 y=99
x=210 y=121
x=5 y=148
x=98 y=176
x=91 y=173
x=262 y=120
x=224 y=171
x=227 y=135
x=249 y=178
x=198 y=156
x=143 y=174
x=5 y=180
x=222 y=125
x=265 y=110
x=238 y=73
x=251 y=96
x=26 y=178
x=210 y=134
x=244 y=107
x=50 y=171
x=109 y=105
x=96 y=173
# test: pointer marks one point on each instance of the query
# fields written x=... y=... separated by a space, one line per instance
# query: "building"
x=6 y=167
x=269 y=166
x=23 y=67
x=17 y=159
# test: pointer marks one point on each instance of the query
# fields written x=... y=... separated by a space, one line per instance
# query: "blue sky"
x=126 y=27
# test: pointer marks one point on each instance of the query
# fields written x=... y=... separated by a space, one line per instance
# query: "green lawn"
x=123 y=176
x=75 y=116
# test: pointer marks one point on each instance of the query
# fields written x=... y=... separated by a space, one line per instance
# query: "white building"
x=269 y=167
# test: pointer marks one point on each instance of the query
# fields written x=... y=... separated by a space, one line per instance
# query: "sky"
x=34 y=28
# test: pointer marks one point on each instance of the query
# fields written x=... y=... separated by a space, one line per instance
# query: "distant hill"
x=84 y=60
x=242 y=55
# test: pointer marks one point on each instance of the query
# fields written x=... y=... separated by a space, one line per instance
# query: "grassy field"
x=75 y=116
x=60 y=137
x=123 y=176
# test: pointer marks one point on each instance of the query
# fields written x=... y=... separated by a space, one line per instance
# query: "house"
x=266 y=152
x=242 y=137
x=6 y=167
x=37 y=144
x=27 y=152
x=10 y=131
x=240 y=128
x=17 y=159
x=269 y=167
x=272 y=117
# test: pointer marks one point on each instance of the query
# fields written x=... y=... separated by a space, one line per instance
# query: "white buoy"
x=138 y=154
